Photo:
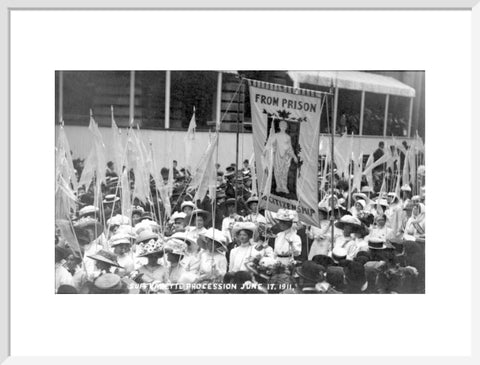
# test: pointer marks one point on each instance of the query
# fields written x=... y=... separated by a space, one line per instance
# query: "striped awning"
x=354 y=80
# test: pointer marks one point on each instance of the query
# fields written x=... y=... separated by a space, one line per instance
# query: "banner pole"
x=332 y=174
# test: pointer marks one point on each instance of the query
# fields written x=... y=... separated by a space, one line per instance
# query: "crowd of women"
x=365 y=242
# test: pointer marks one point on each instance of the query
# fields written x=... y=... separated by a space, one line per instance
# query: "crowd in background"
x=367 y=241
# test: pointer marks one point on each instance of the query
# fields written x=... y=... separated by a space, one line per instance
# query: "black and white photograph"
x=240 y=182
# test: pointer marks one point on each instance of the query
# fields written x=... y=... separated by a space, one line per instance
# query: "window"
x=349 y=105
x=398 y=112
x=150 y=98
x=193 y=89
x=96 y=90
x=374 y=114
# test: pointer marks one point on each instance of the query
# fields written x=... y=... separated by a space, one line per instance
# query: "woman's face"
x=358 y=206
x=121 y=249
x=416 y=211
x=253 y=206
x=179 y=224
x=243 y=237
x=381 y=222
x=187 y=210
x=199 y=222
x=283 y=126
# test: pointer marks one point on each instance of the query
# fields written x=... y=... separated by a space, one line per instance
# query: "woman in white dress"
x=241 y=254
x=321 y=236
x=213 y=246
x=381 y=230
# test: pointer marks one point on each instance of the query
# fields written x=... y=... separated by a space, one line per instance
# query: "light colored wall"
x=80 y=143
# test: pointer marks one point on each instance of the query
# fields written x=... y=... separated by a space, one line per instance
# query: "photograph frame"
x=11 y=6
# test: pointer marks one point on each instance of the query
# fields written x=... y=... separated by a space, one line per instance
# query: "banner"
x=286 y=126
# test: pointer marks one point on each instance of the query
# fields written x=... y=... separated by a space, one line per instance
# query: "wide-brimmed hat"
x=382 y=202
x=358 y=196
x=311 y=271
x=145 y=236
x=150 y=247
x=252 y=199
x=354 y=222
x=108 y=282
x=110 y=199
x=120 y=239
x=87 y=210
x=146 y=224
x=127 y=230
x=188 y=203
x=215 y=235
x=118 y=220
x=175 y=246
x=285 y=215
x=87 y=226
x=240 y=226
x=107 y=257
x=202 y=213
x=177 y=215
x=184 y=236
x=376 y=244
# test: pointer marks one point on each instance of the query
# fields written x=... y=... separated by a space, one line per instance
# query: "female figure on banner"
x=283 y=153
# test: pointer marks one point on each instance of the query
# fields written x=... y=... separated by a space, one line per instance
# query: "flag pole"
x=332 y=146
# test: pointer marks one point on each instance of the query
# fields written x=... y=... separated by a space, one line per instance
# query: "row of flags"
x=350 y=165
x=138 y=156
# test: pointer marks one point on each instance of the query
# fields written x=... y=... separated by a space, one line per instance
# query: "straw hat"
x=187 y=203
x=376 y=244
x=351 y=221
x=285 y=215
x=177 y=215
x=108 y=282
x=175 y=246
x=382 y=202
x=120 y=239
x=202 y=213
x=150 y=247
x=88 y=227
x=87 y=210
x=118 y=220
x=239 y=226
x=215 y=235
x=110 y=199
x=107 y=257
x=186 y=237
x=360 y=196
x=145 y=236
